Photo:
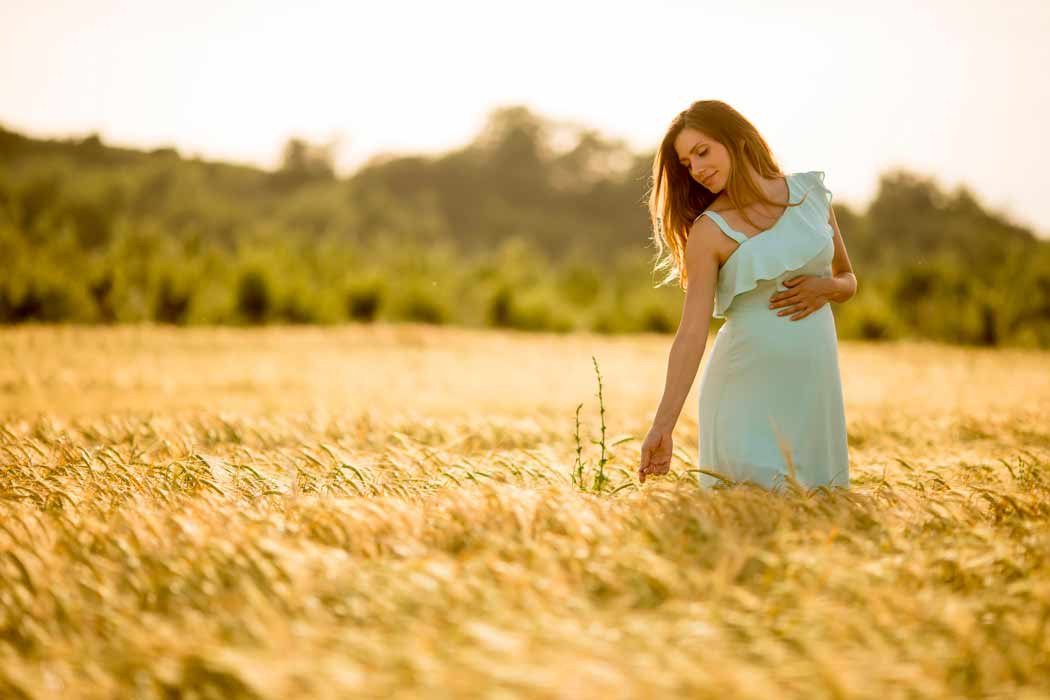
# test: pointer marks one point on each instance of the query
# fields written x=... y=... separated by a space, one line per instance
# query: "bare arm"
x=844 y=282
x=687 y=349
x=701 y=264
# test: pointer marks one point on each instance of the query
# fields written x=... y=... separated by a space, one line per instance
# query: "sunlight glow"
x=848 y=90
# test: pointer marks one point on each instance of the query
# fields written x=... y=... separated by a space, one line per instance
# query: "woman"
x=763 y=248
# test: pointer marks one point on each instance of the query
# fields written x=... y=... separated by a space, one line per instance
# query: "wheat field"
x=390 y=511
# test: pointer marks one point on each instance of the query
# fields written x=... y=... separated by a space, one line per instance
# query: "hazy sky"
x=956 y=90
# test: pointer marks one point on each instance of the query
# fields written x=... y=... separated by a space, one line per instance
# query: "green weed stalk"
x=600 y=478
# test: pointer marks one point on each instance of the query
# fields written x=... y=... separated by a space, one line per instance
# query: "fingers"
x=801 y=311
x=782 y=298
x=793 y=309
x=790 y=293
x=654 y=468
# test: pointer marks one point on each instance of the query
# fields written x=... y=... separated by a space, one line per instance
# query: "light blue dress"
x=771 y=387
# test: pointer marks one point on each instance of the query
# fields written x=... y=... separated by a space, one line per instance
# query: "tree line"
x=534 y=224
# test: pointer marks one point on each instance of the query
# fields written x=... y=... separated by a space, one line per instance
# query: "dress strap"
x=738 y=237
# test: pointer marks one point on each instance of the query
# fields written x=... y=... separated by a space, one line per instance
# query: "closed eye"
x=686 y=164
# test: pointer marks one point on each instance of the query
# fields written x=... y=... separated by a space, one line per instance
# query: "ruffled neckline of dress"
x=796 y=238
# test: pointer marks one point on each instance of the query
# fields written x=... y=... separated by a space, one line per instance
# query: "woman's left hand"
x=805 y=294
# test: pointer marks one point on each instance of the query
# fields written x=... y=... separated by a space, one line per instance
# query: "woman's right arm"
x=687 y=349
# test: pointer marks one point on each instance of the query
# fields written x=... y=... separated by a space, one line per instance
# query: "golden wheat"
x=389 y=511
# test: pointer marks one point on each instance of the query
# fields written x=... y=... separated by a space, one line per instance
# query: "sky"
x=954 y=91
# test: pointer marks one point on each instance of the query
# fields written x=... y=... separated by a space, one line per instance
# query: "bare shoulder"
x=704 y=240
x=704 y=232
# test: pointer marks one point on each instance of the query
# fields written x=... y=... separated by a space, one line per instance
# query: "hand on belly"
x=803 y=295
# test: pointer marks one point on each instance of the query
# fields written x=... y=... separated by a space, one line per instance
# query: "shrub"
x=866 y=316
x=171 y=303
x=535 y=312
x=363 y=300
x=418 y=306
x=254 y=298
x=500 y=308
x=42 y=297
x=656 y=318
x=100 y=289
x=297 y=306
x=580 y=285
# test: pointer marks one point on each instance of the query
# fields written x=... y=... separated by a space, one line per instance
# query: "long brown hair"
x=676 y=199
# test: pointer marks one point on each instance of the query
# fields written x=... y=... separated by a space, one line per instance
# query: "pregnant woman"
x=763 y=250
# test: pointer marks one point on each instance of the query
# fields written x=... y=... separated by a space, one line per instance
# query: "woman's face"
x=706 y=159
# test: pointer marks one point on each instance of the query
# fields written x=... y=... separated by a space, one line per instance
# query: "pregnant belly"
x=762 y=341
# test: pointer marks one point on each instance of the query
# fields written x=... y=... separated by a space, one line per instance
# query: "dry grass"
x=388 y=512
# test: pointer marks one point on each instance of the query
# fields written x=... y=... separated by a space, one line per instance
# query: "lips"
x=707 y=180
